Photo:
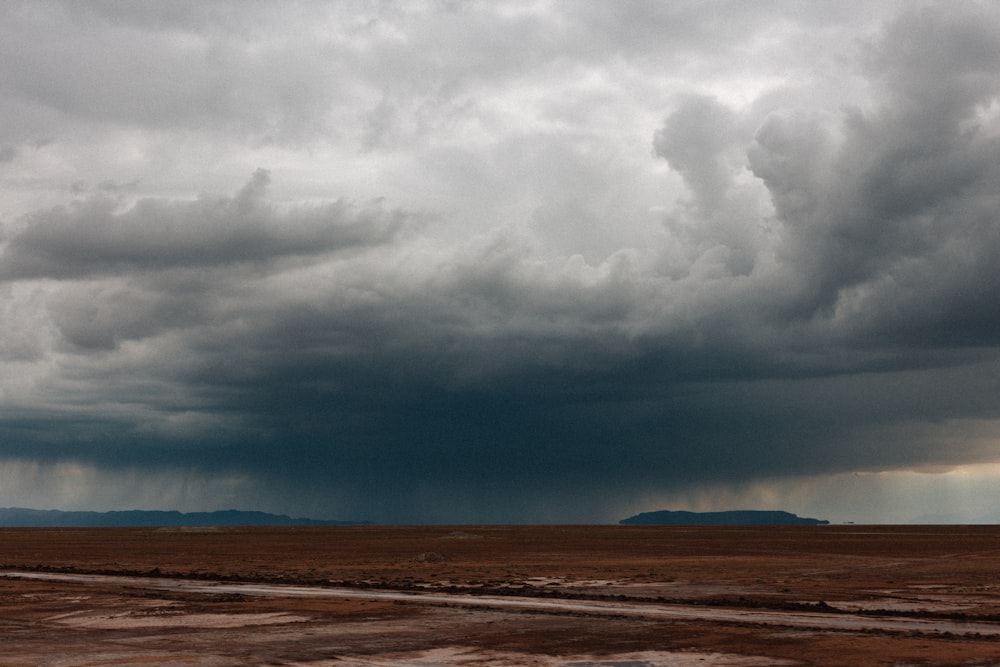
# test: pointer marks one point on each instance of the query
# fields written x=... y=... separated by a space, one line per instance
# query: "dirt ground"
x=759 y=583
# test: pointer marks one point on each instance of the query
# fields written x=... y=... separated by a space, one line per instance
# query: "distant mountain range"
x=733 y=518
x=19 y=517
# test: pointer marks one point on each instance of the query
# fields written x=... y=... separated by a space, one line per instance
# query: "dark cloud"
x=887 y=216
x=92 y=238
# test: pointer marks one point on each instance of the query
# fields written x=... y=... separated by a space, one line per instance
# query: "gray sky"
x=501 y=262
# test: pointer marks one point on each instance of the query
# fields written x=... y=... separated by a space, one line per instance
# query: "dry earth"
x=566 y=596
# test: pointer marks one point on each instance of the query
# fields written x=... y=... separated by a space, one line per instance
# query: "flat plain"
x=542 y=596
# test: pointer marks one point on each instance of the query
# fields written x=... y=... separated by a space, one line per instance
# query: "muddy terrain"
x=545 y=596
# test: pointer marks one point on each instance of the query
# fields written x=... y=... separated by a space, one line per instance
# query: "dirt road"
x=829 y=621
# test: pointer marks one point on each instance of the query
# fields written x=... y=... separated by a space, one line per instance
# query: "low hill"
x=19 y=517
x=731 y=518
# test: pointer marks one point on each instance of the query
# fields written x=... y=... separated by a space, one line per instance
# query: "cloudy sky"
x=529 y=261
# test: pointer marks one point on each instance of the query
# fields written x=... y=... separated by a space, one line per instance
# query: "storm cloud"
x=510 y=262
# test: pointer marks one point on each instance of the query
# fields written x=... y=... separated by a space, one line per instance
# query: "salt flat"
x=550 y=596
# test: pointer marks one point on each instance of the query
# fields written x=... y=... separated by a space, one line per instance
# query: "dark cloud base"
x=517 y=455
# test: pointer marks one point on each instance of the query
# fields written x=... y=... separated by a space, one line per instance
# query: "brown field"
x=571 y=596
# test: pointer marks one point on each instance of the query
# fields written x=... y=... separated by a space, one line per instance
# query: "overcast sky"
x=501 y=261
